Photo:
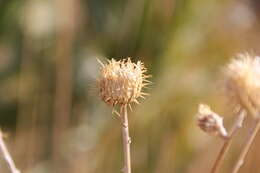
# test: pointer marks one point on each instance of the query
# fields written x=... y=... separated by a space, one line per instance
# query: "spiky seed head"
x=121 y=82
x=210 y=122
x=242 y=81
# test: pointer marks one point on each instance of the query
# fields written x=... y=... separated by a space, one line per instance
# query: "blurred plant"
x=210 y=122
x=121 y=84
x=242 y=82
x=7 y=155
x=241 y=86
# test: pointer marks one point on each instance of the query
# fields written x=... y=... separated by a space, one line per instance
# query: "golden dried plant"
x=242 y=88
x=121 y=82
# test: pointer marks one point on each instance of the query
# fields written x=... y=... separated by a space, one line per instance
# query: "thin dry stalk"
x=238 y=124
x=248 y=143
x=66 y=28
x=126 y=140
x=7 y=155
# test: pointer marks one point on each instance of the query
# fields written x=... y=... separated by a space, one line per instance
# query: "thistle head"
x=210 y=122
x=121 y=82
x=242 y=81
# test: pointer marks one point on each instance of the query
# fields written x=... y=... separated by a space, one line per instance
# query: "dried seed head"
x=121 y=82
x=210 y=122
x=242 y=81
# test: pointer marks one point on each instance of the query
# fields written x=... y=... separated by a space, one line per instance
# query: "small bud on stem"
x=210 y=122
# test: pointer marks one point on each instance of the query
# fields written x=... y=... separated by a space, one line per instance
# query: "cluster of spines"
x=121 y=82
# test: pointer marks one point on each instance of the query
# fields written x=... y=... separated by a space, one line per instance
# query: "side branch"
x=238 y=124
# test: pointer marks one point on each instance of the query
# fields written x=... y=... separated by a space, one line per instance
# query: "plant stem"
x=126 y=140
x=248 y=143
x=7 y=155
x=227 y=143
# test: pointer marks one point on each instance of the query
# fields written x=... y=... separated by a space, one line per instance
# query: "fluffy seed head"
x=242 y=81
x=210 y=122
x=121 y=82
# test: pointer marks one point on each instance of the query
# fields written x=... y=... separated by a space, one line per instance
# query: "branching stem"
x=237 y=124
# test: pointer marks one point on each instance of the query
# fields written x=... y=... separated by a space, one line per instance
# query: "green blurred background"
x=50 y=111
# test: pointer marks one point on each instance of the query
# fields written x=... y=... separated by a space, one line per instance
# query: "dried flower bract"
x=242 y=81
x=121 y=82
x=210 y=122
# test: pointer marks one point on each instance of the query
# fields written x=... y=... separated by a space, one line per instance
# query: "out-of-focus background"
x=50 y=112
